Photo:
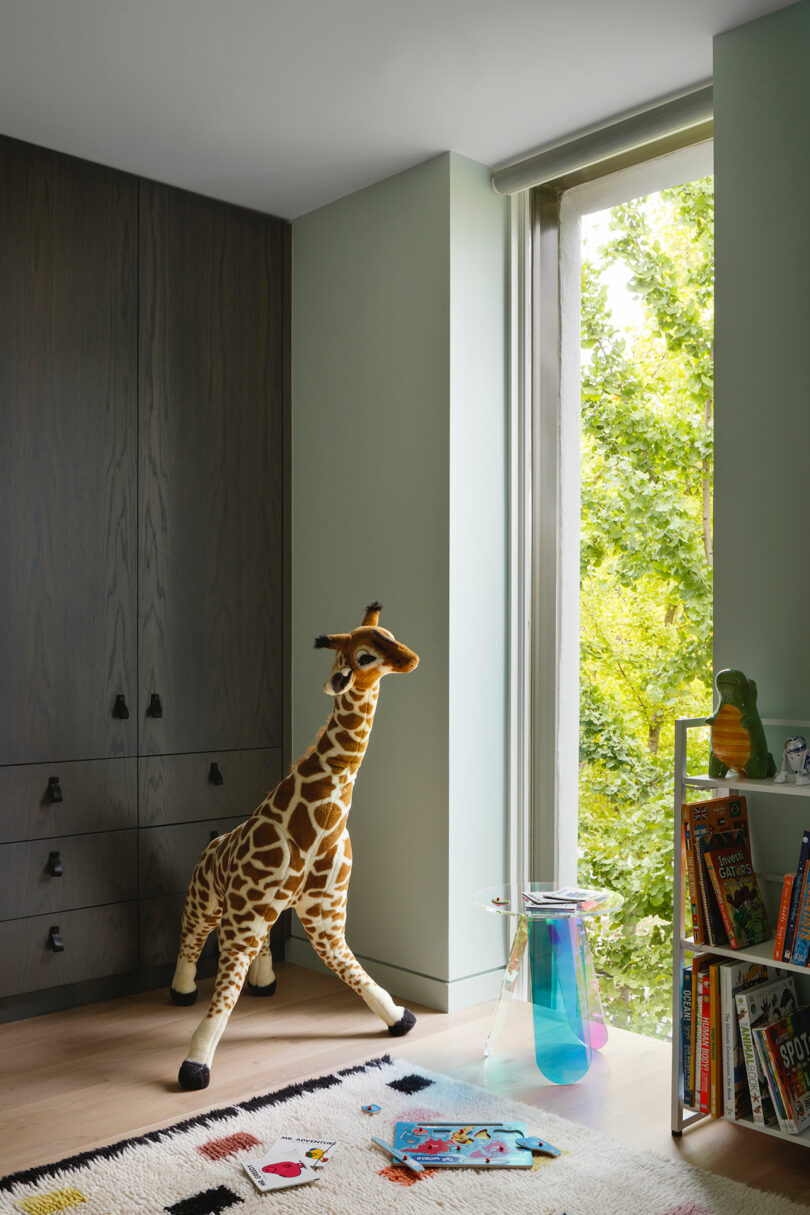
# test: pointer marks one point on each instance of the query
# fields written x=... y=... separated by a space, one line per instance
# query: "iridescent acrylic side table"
x=566 y=1009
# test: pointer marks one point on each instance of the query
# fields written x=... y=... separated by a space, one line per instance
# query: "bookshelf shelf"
x=748 y=786
x=683 y=1116
x=755 y=953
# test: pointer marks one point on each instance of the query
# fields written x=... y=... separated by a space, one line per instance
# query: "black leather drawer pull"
x=55 y=864
x=55 y=940
x=155 y=707
x=120 y=709
x=54 y=789
x=215 y=775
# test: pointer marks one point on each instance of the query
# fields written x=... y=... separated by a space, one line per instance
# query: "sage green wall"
x=398 y=495
x=762 y=456
x=762 y=449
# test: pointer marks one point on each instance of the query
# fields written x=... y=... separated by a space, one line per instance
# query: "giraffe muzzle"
x=340 y=681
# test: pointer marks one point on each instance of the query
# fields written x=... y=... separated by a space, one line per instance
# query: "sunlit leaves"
x=646 y=599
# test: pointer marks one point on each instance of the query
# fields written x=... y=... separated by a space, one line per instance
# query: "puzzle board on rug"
x=479 y=1145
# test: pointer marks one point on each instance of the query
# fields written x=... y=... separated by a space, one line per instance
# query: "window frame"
x=545 y=493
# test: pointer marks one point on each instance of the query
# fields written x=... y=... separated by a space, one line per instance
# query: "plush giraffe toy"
x=293 y=851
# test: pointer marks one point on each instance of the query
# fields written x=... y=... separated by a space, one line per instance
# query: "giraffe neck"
x=316 y=795
x=344 y=739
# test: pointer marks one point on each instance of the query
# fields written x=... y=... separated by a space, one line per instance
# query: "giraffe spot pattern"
x=294 y=851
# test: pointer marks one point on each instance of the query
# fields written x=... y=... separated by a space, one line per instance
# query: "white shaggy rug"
x=196 y=1167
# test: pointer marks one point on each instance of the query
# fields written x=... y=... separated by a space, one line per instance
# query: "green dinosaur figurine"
x=738 y=743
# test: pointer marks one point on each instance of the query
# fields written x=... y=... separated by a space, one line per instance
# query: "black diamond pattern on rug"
x=410 y=1084
x=209 y=1202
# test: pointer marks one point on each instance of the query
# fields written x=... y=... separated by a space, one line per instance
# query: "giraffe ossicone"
x=293 y=851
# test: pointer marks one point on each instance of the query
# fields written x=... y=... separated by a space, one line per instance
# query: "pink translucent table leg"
x=596 y=1020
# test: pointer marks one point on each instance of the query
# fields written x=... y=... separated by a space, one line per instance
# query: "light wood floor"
x=89 y=1076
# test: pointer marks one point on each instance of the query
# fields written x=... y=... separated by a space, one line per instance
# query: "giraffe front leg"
x=201 y=914
x=236 y=954
x=261 y=979
x=324 y=920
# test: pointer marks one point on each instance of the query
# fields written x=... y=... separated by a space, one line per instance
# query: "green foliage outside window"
x=646 y=574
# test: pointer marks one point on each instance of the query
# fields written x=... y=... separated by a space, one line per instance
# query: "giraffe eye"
x=364 y=659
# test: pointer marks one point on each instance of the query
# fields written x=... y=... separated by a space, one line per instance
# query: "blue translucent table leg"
x=510 y=976
x=564 y=1033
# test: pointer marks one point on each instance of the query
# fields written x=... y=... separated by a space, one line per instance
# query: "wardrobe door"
x=210 y=543
x=68 y=366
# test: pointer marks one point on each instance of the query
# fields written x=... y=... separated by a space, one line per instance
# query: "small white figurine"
x=796 y=758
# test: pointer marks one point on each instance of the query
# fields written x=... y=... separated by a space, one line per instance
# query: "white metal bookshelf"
x=683 y=1116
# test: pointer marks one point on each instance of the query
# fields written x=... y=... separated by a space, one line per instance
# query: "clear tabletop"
x=517 y=899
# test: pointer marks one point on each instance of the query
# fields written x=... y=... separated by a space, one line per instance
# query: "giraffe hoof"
x=194 y=1075
x=406 y=1022
x=268 y=990
x=183 y=997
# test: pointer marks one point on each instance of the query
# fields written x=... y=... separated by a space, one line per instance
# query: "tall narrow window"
x=643 y=345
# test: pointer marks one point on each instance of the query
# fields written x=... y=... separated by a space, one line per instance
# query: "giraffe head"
x=363 y=656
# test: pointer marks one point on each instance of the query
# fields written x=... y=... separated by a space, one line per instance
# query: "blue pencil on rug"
x=400 y=1157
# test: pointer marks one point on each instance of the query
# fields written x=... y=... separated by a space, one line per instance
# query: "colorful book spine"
x=796 y=896
x=783 y=1114
x=694 y=1055
x=716 y=929
x=736 y=976
x=716 y=1091
x=781 y=923
x=801 y=941
x=698 y=934
x=705 y=1044
x=751 y=1064
x=788 y=1043
x=686 y=1034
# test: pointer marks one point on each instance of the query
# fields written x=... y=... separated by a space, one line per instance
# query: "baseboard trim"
x=441 y=994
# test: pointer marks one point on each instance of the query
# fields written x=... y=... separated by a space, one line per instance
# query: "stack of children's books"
x=745 y=1043
x=793 y=923
x=724 y=896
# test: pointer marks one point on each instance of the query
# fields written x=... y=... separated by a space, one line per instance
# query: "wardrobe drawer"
x=95 y=941
x=168 y=855
x=91 y=795
x=160 y=921
x=185 y=788
x=95 y=869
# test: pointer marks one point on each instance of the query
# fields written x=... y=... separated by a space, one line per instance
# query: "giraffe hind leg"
x=324 y=921
x=261 y=978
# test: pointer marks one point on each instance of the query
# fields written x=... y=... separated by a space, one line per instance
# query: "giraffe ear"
x=372 y=615
x=331 y=641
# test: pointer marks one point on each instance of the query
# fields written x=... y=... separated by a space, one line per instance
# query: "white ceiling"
x=285 y=105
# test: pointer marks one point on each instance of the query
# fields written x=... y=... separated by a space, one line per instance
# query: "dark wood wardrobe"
x=144 y=427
